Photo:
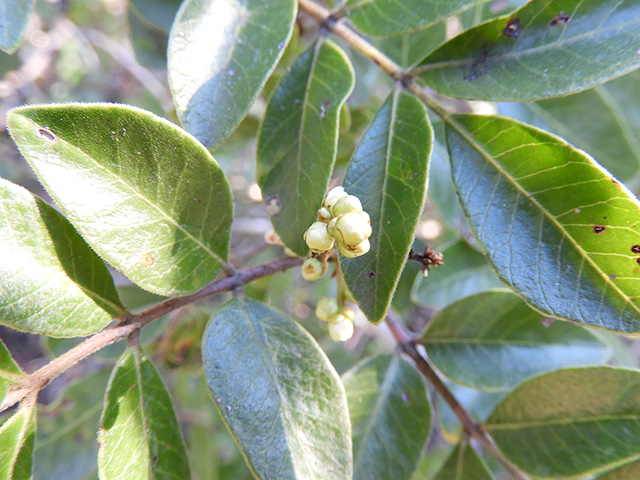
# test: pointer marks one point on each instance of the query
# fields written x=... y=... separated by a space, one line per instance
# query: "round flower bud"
x=348 y=313
x=333 y=196
x=353 y=252
x=347 y=204
x=324 y=215
x=313 y=269
x=331 y=227
x=352 y=228
x=317 y=238
x=272 y=238
x=327 y=308
x=342 y=331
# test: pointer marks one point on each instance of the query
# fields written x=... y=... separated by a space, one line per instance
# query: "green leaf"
x=145 y=195
x=388 y=172
x=51 y=281
x=570 y=422
x=603 y=120
x=14 y=18
x=465 y=272
x=385 y=396
x=277 y=393
x=463 y=464
x=9 y=370
x=408 y=49
x=17 y=435
x=159 y=13
x=555 y=225
x=139 y=435
x=66 y=445
x=631 y=471
x=299 y=137
x=391 y=17
x=493 y=341
x=220 y=54
x=544 y=49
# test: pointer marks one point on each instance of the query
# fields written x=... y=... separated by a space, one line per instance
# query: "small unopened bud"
x=324 y=215
x=348 y=313
x=327 y=308
x=347 y=204
x=313 y=269
x=342 y=331
x=352 y=228
x=272 y=238
x=317 y=238
x=353 y=252
x=331 y=227
x=333 y=196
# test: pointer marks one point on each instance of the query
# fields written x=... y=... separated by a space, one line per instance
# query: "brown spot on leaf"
x=273 y=205
x=613 y=277
x=597 y=229
x=148 y=260
x=560 y=19
x=46 y=135
x=513 y=28
x=371 y=274
x=635 y=248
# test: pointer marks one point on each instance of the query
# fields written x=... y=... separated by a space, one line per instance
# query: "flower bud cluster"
x=340 y=320
x=341 y=220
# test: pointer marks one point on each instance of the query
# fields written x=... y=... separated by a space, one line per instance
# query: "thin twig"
x=470 y=426
x=132 y=323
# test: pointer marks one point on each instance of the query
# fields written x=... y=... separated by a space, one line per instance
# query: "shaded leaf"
x=544 y=49
x=139 y=435
x=604 y=121
x=631 y=471
x=14 y=18
x=17 y=435
x=9 y=370
x=465 y=272
x=298 y=139
x=385 y=396
x=570 y=422
x=388 y=172
x=159 y=13
x=493 y=341
x=220 y=54
x=278 y=394
x=145 y=195
x=149 y=43
x=66 y=445
x=463 y=464
x=391 y=17
x=51 y=281
x=408 y=49
x=555 y=225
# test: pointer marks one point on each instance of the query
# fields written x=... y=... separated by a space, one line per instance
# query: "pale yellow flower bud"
x=342 y=331
x=313 y=269
x=333 y=196
x=324 y=215
x=348 y=313
x=352 y=228
x=347 y=204
x=353 y=252
x=327 y=308
x=272 y=238
x=317 y=238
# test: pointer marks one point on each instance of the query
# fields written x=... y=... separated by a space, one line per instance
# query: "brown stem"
x=470 y=426
x=131 y=324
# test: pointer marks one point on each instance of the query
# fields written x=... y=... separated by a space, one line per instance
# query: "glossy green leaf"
x=630 y=471
x=477 y=404
x=570 y=422
x=556 y=226
x=544 y=49
x=148 y=197
x=17 y=435
x=493 y=341
x=51 y=282
x=463 y=464
x=159 y=13
x=278 y=394
x=385 y=395
x=388 y=172
x=465 y=272
x=391 y=17
x=604 y=121
x=220 y=54
x=408 y=49
x=14 y=18
x=66 y=445
x=139 y=435
x=299 y=137
x=9 y=370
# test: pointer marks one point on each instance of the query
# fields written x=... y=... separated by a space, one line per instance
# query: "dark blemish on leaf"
x=567 y=268
x=323 y=108
x=45 y=134
x=613 y=277
x=513 y=28
x=638 y=260
x=598 y=229
x=199 y=200
x=635 y=248
x=273 y=205
x=560 y=19
x=479 y=66
x=405 y=397
x=615 y=182
x=228 y=407
x=371 y=274
x=148 y=260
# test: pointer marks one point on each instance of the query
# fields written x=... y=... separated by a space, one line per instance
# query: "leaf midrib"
x=461 y=130
x=548 y=422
